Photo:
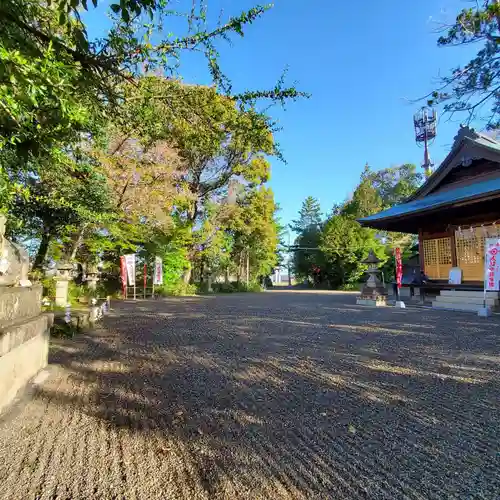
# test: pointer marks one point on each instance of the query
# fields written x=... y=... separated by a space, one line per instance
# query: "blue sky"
x=362 y=65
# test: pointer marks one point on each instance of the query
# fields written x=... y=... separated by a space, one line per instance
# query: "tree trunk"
x=248 y=267
x=187 y=274
x=239 y=268
x=76 y=241
x=202 y=271
x=42 y=251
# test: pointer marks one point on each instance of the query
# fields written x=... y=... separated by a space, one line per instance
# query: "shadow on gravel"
x=321 y=396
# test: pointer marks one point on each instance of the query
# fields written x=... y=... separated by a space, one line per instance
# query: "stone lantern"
x=62 y=279
x=374 y=292
x=92 y=276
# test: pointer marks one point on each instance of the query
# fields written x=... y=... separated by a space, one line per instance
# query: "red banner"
x=123 y=274
x=399 y=266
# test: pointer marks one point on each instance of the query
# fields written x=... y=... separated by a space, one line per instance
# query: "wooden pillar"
x=421 y=250
x=453 y=247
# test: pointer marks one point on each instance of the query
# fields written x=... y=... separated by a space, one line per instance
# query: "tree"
x=338 y=246
x=345 y=244
x=309 y=216
x=255 y=230
x=216 y=140
x=474 y=86
x=309 y=262
x=59 y=202
x=51 y=74
x=379 y=190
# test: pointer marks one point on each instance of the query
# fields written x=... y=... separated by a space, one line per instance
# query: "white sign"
x=492 y=264
x=130 y=264
x=158 y=272
x=455 y=276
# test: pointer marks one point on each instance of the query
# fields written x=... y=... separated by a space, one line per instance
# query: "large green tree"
x=307 y=259
x=381 y=189
x=216 y=141
x=309 y=216
x=345 y=244
x=51 y=74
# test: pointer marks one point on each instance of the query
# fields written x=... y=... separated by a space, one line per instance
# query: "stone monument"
x=374 y=292
x=24 y=329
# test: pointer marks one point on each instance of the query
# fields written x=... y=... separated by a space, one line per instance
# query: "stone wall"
x=24 y=339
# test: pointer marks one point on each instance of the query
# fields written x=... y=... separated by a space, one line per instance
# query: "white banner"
x=492 y=264
x=130 y=263
x=158 y=272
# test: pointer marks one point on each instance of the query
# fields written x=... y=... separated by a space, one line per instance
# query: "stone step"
x=467 y=300
x=469 y=293
x=450 y=306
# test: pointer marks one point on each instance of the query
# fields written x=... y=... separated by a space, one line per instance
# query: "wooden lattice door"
x=437 y=258
x=470 y=250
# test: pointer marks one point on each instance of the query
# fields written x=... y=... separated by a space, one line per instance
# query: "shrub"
x=235 y=287
x=223 y=288
x=64 y=330
x=76 y=292
x=176 y=289
x=350 y=287
x=49 y=287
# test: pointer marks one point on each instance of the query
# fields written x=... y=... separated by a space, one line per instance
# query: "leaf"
x=62 y=18
x=81 y=38
x=125 y=15
x=115 y=8
x=94 y=2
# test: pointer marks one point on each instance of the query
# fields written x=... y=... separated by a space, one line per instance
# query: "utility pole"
x=288 y=261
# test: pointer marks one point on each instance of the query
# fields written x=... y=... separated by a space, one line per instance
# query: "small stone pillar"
x=374 y=292
x=63 y=277
x=92 y=277
x=95 y=311
x=209 y=280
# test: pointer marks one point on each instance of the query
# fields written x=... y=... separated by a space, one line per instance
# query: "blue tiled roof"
x=437 y=200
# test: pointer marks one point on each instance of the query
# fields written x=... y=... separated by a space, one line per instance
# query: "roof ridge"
x=470 y=133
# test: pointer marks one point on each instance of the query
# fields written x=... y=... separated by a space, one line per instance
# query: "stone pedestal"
x=370 y=301
x=24 y=339
x=62 y=285
x=63 y=277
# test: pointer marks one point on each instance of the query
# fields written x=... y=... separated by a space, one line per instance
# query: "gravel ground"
x=279 y=395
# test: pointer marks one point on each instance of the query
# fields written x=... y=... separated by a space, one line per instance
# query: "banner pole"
x=153 y=282
x=145 y=278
